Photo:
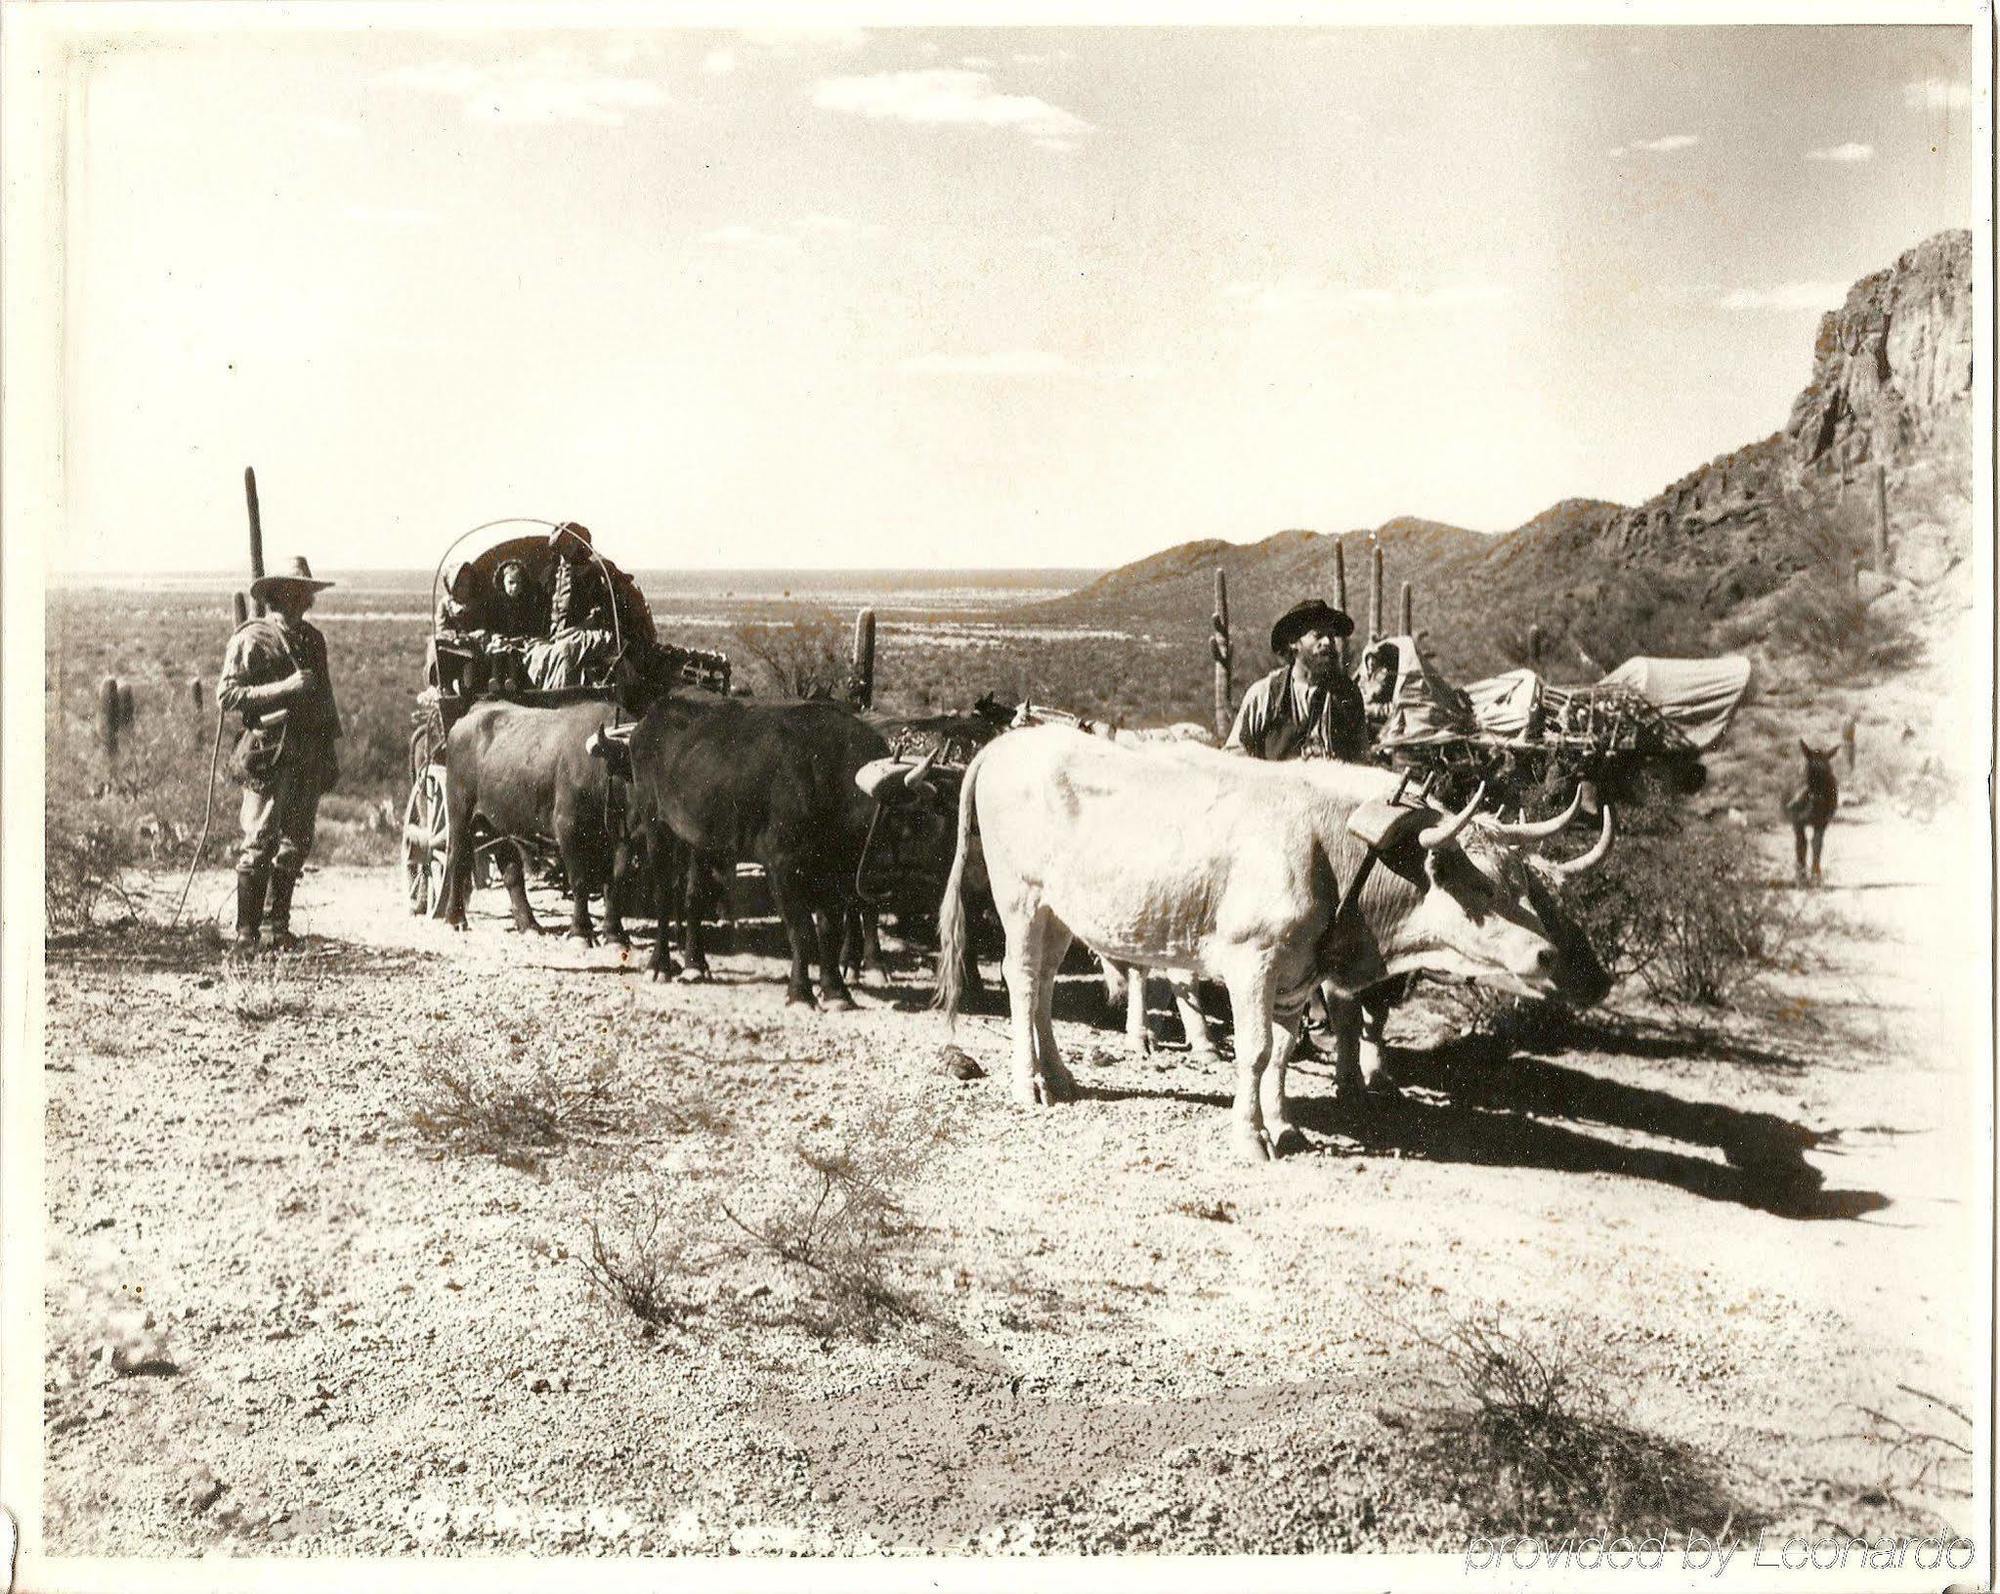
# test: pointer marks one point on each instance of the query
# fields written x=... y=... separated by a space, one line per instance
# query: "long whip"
x=207 y=811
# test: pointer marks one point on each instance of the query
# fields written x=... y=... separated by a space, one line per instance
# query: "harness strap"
x=861 y=863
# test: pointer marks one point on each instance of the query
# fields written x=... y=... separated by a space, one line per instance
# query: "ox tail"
x=951 y=911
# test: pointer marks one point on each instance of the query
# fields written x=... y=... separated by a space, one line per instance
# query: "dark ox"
x=731 y=780
x=910 y=851
x=521 y=769
x=1267 y=877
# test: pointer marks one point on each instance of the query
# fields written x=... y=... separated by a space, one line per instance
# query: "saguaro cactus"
x=1220 y=647
x=109 y=719
x=864 y=658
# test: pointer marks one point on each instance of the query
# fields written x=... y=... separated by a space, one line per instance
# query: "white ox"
x=1201 y=864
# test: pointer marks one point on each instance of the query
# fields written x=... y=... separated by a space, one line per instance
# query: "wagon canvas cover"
x=1426 y=707
x=1697 y=696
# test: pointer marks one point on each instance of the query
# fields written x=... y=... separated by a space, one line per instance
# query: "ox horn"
x=1446 y=830
x=1537 y=829
x=917 y=777
x=1598 y=853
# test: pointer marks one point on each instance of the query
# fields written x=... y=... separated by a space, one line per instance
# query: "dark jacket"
x=283 y=721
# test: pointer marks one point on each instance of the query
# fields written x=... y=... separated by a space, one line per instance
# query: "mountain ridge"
x=1890 y=385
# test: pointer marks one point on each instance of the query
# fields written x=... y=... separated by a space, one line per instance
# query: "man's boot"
x=278 y=917
x=250 y=884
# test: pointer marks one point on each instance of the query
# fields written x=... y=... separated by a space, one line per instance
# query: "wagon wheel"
x=426 y=839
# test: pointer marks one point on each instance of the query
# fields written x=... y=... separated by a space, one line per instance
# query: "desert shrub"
x=517 y=1111
x=1822 y=616
x=1683 y=906
x=843 y=1222
x=646 y=1261
x=277 y=985
x=1633 y=611
x=105 y=816
x=808 y=654
x=1923 y=1445
x=1526 y=1441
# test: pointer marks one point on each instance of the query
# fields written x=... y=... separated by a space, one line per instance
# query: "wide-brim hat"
x=1315 y=614
x=568 y=532
x=295 y=574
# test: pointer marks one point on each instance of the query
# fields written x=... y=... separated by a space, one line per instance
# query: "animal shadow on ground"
x=1496 y=1107
x=1472 y=1101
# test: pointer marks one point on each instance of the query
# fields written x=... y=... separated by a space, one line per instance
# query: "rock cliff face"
x=1891 y=385
x=1892 y=368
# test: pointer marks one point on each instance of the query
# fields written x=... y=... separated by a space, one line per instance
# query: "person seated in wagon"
x=1307 y=707
x=583 y=636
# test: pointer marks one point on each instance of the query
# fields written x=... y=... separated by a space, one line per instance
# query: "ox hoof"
x=583 y=938
x=797 y=999
x=660 y=973
x=836 y=1004
x=1251 y=1145
x=1283 y=1139
x=693 y=974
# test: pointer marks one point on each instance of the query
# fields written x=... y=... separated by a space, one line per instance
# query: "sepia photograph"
x=948 y=797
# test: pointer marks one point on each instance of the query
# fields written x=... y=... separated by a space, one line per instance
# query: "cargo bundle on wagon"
x=523 y=611
x=1527 y=738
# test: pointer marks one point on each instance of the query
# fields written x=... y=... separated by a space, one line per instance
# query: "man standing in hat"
x=1307 y=707
x=274 y=674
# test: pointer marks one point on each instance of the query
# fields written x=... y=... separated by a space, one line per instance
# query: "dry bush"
x=273 y=985
x=807 y=655
x=1822 y=617
x=648 y=1260
x=1683 y=906
x=106 y=818
x=1525 y=1440
x=845 y=1224
x=518 y=1112
x=1915 y=1456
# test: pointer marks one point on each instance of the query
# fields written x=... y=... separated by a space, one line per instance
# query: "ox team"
x=1271 y=877
x=1278 y=866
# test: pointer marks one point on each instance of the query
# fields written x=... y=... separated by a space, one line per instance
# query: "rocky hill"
x=1702 y=563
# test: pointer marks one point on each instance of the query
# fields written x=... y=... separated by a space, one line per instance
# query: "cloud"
x=719 y=62
x=1937 y=94
x=1017 y=363
x=1656 y=146
x=542 y=89
x=795 y=41
x=1296 y=296
x=334 y=127
x=738 y=236
x=978 y=63
x=950 y=96
x=1009 y=363
x=1791 y=296
x=1041 y=57
x=825 y=226
x=1842 y=154
x=391 y=216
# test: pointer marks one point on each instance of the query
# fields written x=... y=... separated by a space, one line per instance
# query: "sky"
x=954 y=297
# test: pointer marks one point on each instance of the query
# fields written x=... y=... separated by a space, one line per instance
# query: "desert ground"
x=285 y=1316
